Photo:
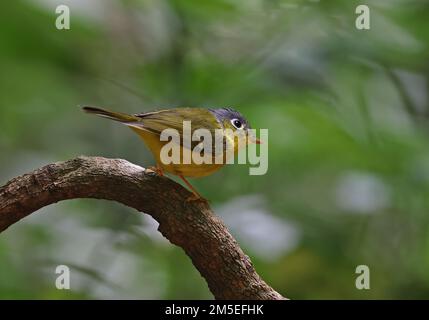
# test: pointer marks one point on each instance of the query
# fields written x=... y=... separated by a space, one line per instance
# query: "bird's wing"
x=158 y=121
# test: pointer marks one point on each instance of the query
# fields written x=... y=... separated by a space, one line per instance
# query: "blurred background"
x=348 y=117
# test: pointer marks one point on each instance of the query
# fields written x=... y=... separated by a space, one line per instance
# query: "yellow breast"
x=187 y=170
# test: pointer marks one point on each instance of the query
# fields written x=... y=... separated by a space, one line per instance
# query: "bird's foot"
x=196 y=198
x=157 y=170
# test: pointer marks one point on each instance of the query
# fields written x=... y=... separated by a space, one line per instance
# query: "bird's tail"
x=117 y=116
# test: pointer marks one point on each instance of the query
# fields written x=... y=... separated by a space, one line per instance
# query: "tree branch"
x=192 y=226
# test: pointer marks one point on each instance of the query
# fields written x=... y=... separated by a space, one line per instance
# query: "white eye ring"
x=237 y=123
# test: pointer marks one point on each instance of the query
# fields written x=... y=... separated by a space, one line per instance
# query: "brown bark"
x=192 y=226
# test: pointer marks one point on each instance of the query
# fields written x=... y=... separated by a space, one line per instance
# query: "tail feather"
x=117 y=116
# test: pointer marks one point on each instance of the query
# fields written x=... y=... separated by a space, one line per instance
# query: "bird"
x=150 y=125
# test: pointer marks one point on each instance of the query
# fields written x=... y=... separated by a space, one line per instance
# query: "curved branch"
x=192 y=226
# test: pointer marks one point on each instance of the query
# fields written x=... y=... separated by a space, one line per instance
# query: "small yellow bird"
x=150 y=125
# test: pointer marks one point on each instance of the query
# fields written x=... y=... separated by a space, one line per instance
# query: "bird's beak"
x=253 y=139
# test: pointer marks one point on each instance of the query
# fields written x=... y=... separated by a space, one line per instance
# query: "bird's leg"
x=157 y=169
x=195 y=195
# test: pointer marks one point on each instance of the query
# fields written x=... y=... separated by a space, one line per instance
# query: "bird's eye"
x=237 y=123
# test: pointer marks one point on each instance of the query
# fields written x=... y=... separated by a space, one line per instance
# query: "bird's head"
x=235 y=121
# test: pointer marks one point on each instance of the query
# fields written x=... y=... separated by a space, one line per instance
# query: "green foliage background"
x=347 y=112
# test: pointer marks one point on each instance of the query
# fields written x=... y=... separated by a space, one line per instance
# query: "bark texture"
x=192 y=226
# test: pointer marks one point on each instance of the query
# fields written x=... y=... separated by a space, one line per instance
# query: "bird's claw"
x=196 y=198
x=156 y=170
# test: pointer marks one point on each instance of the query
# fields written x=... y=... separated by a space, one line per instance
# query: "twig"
x=192 y=226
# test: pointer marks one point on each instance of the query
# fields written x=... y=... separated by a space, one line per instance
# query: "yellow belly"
x=187 y=170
